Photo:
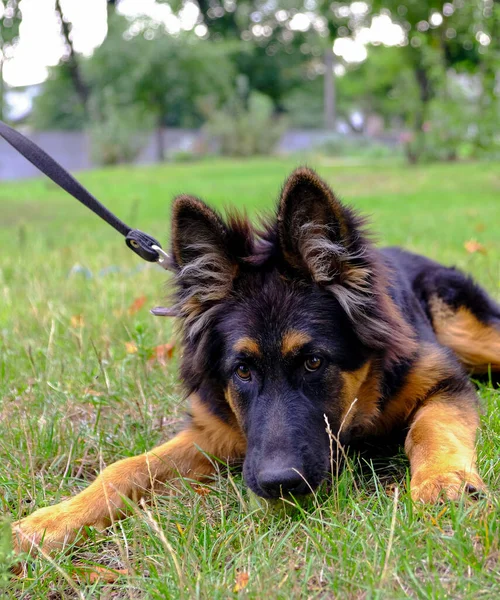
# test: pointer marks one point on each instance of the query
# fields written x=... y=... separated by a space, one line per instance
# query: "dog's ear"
x=200 y=252
x=323 y=239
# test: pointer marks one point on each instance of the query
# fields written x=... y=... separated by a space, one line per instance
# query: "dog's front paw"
x=436 y=487
x=51 y=528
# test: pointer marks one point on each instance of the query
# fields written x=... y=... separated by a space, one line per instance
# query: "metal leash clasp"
x=163 y=257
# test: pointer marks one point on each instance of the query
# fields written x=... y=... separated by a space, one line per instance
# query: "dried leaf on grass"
x=201 y=491
x=137 y=304
x=91 y=392
x=163 y=353
x=92 y=574
x=473 y=246
x=242 y=579
x=77 y=321
x=131 y=347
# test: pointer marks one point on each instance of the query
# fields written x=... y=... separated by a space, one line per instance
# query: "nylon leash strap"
x=144 y=245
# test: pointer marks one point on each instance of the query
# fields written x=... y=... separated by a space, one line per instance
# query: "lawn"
x=83 y=384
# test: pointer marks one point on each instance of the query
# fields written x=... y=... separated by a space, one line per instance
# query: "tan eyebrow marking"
x=293 y=340
x=247 y=344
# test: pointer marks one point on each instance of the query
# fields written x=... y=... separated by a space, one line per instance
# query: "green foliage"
x=304 y=105
x=165 y=74
x=383 y=84
x=10 y=20
x=358 y=146
x=58 y=106
x=246 y=130
x=119 y=132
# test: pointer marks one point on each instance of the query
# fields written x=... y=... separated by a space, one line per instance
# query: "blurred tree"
x=70 y=61
x=440 y=36
x=58 y=106
x=284 y=42
x=384 y=85
x=10 y=19
x=167 y=75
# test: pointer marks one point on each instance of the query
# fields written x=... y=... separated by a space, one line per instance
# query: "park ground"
x=88 y=376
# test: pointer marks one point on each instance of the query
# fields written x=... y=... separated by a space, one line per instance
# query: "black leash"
x=141 y=243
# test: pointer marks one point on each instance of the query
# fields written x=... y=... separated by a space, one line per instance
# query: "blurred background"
x=99 y=82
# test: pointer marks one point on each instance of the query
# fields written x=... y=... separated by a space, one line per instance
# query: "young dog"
x=299 y=326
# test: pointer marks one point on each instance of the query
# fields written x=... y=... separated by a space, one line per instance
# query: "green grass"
x=73 y=399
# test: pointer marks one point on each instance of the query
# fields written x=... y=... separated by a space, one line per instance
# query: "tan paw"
x=51 y=528
x=446 y=486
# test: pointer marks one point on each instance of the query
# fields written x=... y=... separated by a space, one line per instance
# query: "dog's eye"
x=313 y=363
x=243 y=372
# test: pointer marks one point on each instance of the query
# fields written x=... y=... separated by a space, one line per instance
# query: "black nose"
x=279 y=480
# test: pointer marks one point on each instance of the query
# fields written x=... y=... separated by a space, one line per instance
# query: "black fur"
x=311 y=269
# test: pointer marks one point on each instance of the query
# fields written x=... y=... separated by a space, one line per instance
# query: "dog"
x=294 y=330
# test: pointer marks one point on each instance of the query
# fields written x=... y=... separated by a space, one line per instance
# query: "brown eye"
x=243 y=372
x=313 y=363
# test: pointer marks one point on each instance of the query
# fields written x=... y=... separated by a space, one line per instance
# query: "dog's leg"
x=441 y=447
x=131 y=478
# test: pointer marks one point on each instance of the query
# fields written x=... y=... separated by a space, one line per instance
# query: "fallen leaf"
x=77 y=321
x=242 y=579
x=131 y=347
x=91 y=392
x=473 y=246
x=136 y=305
x=95 y=573
x=163 y=353
x=201 y=491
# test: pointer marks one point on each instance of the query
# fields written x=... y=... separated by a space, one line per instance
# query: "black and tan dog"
x=299 y=325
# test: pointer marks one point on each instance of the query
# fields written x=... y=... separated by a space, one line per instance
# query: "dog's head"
x=281 y=327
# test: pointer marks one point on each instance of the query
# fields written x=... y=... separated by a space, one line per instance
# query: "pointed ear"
x=325 y=240
x=322 y=238
x=205 y=269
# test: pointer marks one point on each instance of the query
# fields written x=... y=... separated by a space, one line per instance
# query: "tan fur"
x=104 y=500
x=440 y=446
x=430 y=367
x=231 y=398
x=293 y=341
x=406 y=332
x=247 y=345
x=476 y=344
x=352 y=384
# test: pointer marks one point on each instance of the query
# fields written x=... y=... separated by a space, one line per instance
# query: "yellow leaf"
x=130 y=347
x=77 y=321
x=242 y=579
x=179 y=529
x=91 y=392
x=473 y=246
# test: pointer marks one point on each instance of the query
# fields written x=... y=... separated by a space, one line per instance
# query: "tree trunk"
x=329 y=90
x=72 y=62
x=416 y=148
x=160 y=141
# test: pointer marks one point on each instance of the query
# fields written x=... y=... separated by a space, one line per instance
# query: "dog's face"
x=280 y=327
x=288 y=359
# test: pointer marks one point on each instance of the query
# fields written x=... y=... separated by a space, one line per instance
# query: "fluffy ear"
x=200 y=252
x=324 y=240
x=321 y=237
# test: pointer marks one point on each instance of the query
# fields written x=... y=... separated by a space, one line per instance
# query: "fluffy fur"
x=299 y=328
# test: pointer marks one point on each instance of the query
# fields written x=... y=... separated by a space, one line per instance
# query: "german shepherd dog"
x=299 y=328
